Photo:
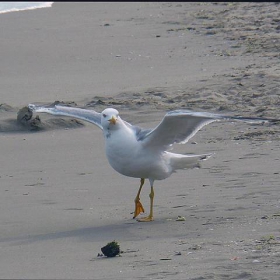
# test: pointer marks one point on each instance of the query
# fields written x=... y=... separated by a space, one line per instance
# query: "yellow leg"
x=138 y=205
x=151 y=215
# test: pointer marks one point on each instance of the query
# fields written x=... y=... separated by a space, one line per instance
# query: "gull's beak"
x=113 y=120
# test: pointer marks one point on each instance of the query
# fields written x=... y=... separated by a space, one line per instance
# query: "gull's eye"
x=104 y=115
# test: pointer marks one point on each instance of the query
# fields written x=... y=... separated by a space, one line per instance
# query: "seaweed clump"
x=112 y=249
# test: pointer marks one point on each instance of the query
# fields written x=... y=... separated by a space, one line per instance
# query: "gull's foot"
x=138 y=209
x=146 y=219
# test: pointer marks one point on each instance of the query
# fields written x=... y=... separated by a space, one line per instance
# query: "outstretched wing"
x=82 y=114
x=180 y=125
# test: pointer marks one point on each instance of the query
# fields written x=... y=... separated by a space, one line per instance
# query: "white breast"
x=127 y=156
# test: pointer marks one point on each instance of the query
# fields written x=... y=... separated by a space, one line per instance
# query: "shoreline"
x=18 y=9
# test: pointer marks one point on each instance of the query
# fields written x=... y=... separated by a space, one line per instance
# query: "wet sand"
x=61 y=201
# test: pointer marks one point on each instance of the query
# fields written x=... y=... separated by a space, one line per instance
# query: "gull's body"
x=144 y=154
x=133 y=158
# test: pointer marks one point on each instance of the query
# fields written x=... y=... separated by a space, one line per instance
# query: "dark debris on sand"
x=25 y=118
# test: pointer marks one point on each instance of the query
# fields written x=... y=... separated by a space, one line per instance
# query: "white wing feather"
x=83 y=114
x=180 y=125
x=176 y=127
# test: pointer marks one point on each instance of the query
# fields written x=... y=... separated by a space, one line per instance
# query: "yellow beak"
x=113 y=120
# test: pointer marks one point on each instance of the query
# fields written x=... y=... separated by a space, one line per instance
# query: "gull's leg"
x=151 y=215
x=138 y=206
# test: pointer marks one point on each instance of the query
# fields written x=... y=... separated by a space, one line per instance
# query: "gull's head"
x=109 y=117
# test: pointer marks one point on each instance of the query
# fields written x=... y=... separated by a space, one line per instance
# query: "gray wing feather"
x=139 y=132
x=82 y=114
x=181 y=125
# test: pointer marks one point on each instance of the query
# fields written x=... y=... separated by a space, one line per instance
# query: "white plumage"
x=144 y=154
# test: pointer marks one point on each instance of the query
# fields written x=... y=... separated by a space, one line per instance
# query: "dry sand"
x=61 y=201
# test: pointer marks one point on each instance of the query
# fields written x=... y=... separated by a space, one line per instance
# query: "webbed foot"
x=138 y=209
x=146 y=219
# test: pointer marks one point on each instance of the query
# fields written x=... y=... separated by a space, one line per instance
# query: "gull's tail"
x=179 y=161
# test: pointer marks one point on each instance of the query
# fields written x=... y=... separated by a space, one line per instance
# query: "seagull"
x=145 y=153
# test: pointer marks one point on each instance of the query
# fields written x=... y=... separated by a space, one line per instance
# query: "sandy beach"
x=60 y=199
